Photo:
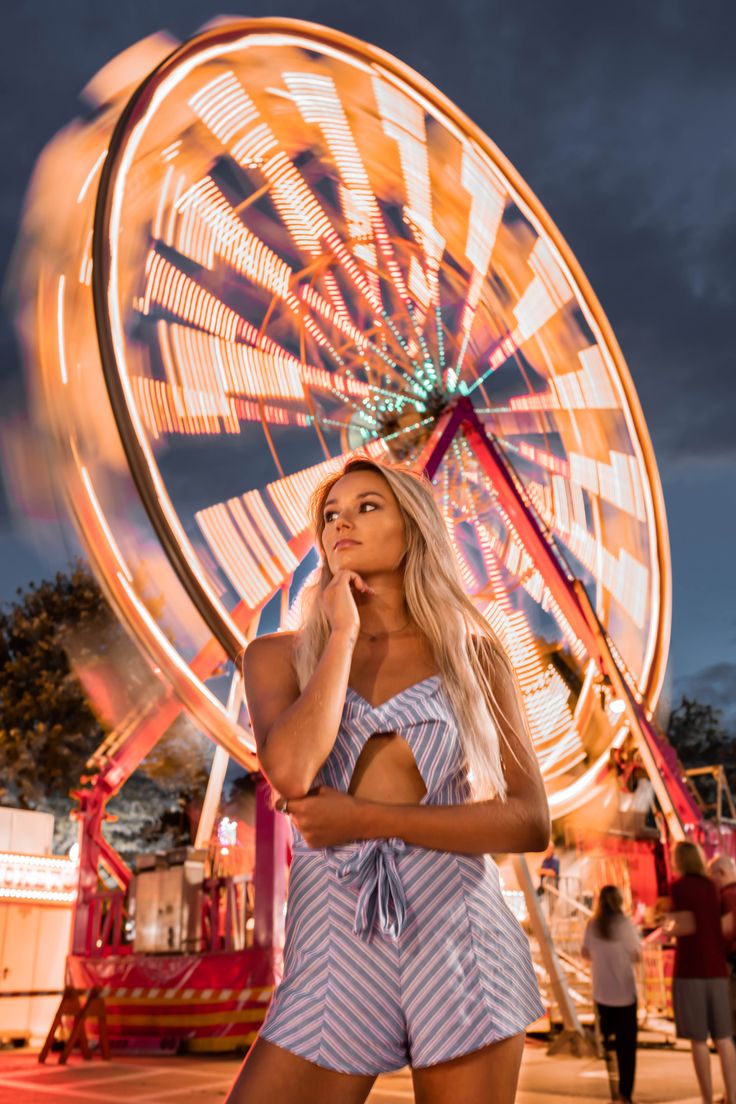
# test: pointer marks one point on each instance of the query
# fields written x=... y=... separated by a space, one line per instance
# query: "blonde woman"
x=391 y=728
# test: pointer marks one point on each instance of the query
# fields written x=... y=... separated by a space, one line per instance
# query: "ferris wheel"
x=280 y=246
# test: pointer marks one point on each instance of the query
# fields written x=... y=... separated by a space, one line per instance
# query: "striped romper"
x=398 y=955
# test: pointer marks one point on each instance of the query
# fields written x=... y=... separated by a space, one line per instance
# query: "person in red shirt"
x=722 y=870
x=700 y=993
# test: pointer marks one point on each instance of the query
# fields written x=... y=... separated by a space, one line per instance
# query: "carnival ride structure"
x=269 y=248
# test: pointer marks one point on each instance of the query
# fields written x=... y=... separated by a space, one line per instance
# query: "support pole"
x=573 y=1036
x=216 y=780
x=270 y=875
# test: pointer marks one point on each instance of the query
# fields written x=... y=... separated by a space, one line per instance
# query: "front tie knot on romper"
x=398 y=955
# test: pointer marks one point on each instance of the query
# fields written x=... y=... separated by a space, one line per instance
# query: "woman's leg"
x=490 y=1073
x=607 y=1028
x=727 y=1055
x=626 y=1031
x=701 y=1061
x=271 y=1074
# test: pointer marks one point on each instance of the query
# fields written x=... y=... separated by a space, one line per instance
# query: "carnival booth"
x=37 y=892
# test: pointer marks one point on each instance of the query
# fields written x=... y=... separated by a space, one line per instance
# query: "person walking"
x=391 y=729
x=700 y=991
x=722 y=870
x=611 y=944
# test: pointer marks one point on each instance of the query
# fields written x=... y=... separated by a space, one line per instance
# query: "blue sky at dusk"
x=620 y=118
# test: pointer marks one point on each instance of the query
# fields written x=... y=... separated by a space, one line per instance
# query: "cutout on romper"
x=393 y=751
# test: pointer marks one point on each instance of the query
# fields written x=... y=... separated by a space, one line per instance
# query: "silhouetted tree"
x=49 y=728
x=697 y=732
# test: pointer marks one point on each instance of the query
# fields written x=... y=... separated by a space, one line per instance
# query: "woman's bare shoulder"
x=275 y=641
x=269 y=680
x=268 y=667
x=275 y=647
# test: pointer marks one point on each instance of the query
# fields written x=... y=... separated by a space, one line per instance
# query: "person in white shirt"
x=611 y=945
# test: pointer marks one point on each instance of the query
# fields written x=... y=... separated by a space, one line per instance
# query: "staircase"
x=566 y=919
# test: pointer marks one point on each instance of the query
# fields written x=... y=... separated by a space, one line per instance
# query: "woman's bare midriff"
x=387 y=771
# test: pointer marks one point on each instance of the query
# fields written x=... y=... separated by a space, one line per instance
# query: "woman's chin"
x=341 y=555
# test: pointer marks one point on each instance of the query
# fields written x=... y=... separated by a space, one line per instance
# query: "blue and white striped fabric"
x=397 y=955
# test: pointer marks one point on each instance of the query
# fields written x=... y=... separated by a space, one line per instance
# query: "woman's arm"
x=483 y=827
x=632 y=941
x=295 y=732
x=679 y=923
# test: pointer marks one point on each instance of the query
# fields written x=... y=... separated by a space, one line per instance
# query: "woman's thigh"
x=271 y=1074
x=490 y=1073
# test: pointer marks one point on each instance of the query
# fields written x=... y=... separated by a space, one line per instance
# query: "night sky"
x=620 y=117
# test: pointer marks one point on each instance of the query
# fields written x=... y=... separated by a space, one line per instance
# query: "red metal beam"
x=680 y=808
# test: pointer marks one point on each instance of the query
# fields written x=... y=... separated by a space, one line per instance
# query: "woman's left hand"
x=325 y=817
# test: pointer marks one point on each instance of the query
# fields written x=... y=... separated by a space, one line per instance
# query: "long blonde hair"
x=688 y=858
x=462 y=642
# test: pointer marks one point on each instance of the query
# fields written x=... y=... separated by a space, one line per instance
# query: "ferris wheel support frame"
x=682 y=815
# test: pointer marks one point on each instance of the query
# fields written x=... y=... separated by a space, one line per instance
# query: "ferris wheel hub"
x=407 y=428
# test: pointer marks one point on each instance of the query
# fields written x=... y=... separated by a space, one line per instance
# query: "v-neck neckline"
x=399 y=694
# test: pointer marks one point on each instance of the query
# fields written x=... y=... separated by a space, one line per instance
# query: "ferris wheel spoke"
x=318 y=100
x=205 y=206
x=545 y=295
x=546 y=697
x=231 y=115
x=245 y=539
x=403 y=122
x=486 y=209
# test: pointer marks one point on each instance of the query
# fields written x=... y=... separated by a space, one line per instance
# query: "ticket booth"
x=37 y=892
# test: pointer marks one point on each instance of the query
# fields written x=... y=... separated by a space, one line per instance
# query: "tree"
x=696 y=731
x=49 y=727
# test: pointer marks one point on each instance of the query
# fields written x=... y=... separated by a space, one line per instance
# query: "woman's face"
x=363 y=526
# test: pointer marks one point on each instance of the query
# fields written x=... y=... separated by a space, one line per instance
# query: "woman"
x=700 y=994
x=611 y=944
x=390 y=725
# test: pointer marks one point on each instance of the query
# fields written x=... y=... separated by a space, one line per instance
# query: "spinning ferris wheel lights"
x=321 y=254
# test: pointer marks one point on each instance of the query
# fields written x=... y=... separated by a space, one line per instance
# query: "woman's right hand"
x=338 y=601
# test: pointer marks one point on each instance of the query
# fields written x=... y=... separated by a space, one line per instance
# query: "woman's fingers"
x=346 y=577
x=358 y=582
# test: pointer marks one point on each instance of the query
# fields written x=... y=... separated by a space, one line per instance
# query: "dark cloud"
x=715 y=686
x=619 y=116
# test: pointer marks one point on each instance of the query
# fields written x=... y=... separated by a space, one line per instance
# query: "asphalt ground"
x=664 y=1076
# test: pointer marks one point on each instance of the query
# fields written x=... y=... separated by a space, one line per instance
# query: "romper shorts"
x=397 y=955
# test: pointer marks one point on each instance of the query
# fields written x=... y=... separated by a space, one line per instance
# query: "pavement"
x=664 y=1076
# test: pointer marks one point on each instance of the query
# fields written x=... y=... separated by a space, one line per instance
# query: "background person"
x=549 y=877
x=611 y=945
x=722 y=870
x=700 y=992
